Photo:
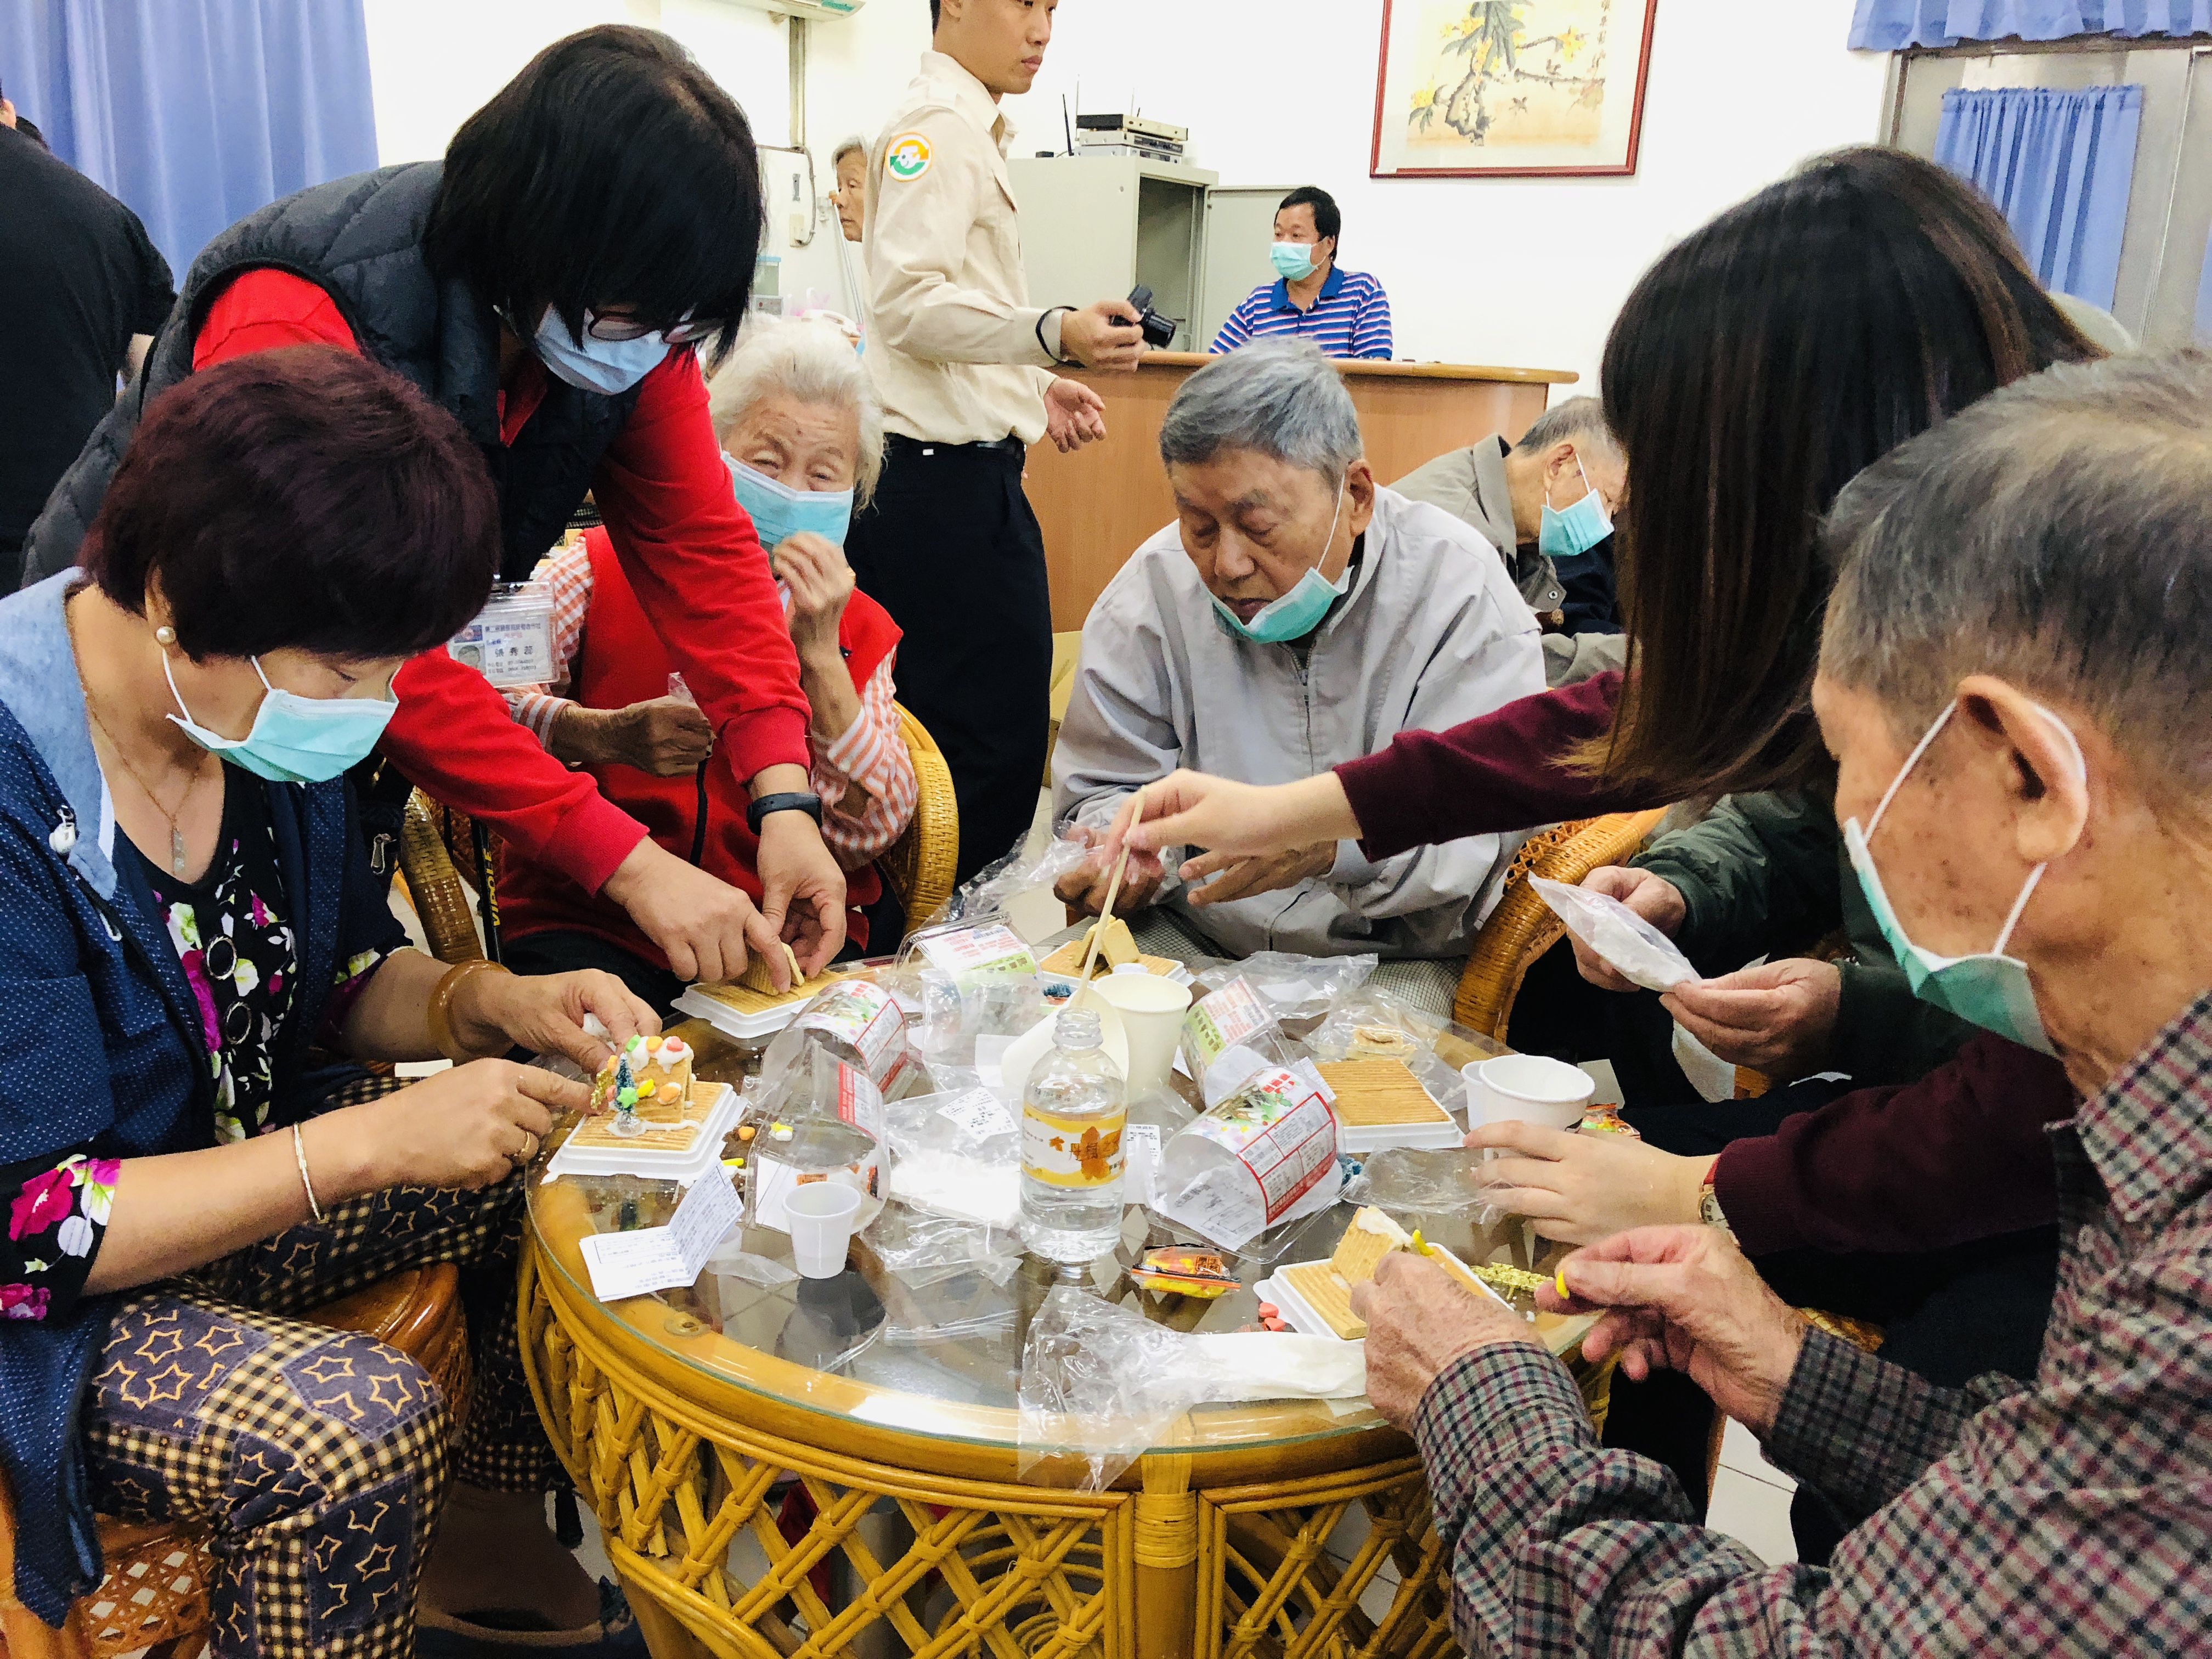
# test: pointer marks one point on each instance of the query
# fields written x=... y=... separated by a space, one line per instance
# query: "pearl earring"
x=165 y=635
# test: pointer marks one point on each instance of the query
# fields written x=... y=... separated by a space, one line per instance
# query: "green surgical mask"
x=1299 y=611
x=1991 y=990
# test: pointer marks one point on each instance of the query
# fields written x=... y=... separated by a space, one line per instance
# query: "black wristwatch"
x=791 y=800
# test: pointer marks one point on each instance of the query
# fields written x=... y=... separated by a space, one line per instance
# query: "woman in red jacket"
x=551 y=284
x=802 y=434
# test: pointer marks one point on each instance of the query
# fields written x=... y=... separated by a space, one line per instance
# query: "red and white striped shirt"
x=869 y=754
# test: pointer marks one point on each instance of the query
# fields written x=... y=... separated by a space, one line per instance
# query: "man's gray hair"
x=809 y=360
x=1279 y=397
x=1581 y=419
x=855 y=145
x=2056 y=534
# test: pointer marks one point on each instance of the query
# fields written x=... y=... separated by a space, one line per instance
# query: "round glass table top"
x=939 y=1353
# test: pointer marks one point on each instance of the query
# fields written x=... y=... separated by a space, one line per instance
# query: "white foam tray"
x=682 y=1167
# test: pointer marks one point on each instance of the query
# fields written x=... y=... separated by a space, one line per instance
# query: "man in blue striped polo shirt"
x=1345 y=313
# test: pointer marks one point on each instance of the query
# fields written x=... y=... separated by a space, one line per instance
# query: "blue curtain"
x=1893 y=25
x=2060 y=165
x=194 y=113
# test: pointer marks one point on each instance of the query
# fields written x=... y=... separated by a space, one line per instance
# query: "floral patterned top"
x=240 y=958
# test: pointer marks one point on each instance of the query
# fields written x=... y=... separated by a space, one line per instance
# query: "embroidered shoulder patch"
x=906 y=157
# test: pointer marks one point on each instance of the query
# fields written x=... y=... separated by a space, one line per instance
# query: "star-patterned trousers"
x=317 y=1459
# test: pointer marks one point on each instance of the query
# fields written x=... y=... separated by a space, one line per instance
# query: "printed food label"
x=968 y=954
x=863 y=1015
x=1223 y=1019
x=1072 y=1153
x=860 y=1102
x=1281 y=1130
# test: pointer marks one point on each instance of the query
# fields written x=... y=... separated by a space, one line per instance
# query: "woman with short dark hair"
x=192 y=933
x=550 y=283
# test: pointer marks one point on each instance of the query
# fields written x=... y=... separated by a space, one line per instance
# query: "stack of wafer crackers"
x=1381 y=1094
x=748 y=999
x=1326 y=1285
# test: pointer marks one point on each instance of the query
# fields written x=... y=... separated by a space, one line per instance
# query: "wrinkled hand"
x=471 y=1126
x=1104 y=335
x=1656 y=899
x=1579 y=1189
x=1231 y=876
x=1779 y=1018
x=707 y=928
x=667 y=737
x=1074 y=415
x=1419 y=1319
x=1085 y=886
x=1685 y=1299
x=545 y=1013
x=821 y=583
x=802 y=893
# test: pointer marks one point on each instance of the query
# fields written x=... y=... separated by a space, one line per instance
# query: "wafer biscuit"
x=1372 y=1094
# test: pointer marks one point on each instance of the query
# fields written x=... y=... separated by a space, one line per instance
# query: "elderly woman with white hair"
x=802 y=434
x=2013 y=685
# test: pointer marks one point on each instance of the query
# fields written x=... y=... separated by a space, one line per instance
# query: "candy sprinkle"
x=1559 y=1284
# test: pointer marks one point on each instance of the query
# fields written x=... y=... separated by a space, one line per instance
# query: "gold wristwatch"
x=1709 y=1203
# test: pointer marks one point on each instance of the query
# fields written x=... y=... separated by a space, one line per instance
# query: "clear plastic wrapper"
x=1260 y=1158
x=925 y=1249
x=1229 y=1034
x=957 y=1155
x=1412 y=1187
x=1292 y=987
x=995 y=893
x=1639 y=952
x=1102 y=1384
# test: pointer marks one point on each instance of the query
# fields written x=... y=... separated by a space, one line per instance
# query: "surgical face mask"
x=1299 y=611
x=1991 y=990
x=1294 y=261
x=295 y=739
x=1566 y=535
x=606 y=367
x=779 y=512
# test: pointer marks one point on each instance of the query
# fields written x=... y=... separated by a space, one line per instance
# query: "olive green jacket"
x=1766 y=875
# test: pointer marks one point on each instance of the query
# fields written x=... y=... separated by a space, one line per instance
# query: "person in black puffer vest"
x=550 y=284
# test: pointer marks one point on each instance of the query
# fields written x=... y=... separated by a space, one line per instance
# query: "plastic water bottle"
x=1073 y=1111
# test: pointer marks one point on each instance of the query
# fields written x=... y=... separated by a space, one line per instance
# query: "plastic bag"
x=1635 y=949
x=1229 y=1034
x=925 y=1248
x=1292 y=987
x=957 y=1155
x=1412 y=1185
x=1373 y=1025
x=1102 y=1384
x=1261 y=1157
x=995 y=893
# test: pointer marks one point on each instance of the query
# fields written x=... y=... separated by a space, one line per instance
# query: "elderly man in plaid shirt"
x=2015 y=685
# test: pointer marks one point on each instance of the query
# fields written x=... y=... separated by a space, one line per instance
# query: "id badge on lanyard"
x=511 y=642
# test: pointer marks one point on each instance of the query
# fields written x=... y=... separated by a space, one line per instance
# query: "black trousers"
x=951 y=548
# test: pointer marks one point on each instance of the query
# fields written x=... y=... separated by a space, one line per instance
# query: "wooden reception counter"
x=1099 y=504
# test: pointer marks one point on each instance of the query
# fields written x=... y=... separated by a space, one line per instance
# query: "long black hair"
x=1756 y=368
x=611 y=170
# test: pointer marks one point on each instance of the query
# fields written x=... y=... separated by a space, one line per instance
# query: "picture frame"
x=1511 y=89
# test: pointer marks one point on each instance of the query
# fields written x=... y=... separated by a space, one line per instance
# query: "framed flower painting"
x=1506 y=88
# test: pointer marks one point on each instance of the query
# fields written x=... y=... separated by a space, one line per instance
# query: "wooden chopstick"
x=1113 y=888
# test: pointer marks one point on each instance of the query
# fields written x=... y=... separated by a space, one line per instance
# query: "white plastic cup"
x=1531 y=1087
x=821 y=1215
x=1151 y=1009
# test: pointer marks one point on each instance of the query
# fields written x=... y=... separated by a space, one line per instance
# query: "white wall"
x=1520 y=271
x=1526 y=272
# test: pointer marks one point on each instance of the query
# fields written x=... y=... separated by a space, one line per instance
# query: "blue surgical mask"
x=1299 y=611
x=1992 y=989
x=1293 y=261
x=779 y=512
x=1568 y=534
x=606 y=367
x=295 y=739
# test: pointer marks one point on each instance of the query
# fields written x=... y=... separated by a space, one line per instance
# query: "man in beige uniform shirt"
x=950 y=546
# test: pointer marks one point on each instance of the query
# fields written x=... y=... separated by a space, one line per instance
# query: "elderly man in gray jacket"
x=1296 y=615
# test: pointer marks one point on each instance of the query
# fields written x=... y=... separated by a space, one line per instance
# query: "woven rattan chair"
x=435 y=883
x=155 y=1595
x=920 y=863
x=1522 y=928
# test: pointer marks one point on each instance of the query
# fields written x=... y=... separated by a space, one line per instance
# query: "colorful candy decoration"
x=627 y=1121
